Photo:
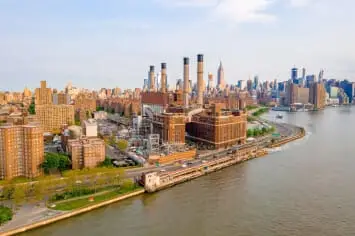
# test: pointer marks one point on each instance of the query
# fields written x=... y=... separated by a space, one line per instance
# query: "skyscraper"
x=210 y=81
x=294 y=75
x=256 y=82
x=317 y=95
x=220 y=79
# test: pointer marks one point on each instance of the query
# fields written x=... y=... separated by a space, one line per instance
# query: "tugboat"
x=279 y=116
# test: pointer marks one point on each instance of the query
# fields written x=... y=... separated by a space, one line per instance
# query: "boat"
x=279 y=116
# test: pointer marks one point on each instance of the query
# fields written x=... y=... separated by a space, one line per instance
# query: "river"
x=306 y=188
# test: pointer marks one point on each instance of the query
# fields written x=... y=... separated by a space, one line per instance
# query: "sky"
x=112 y=43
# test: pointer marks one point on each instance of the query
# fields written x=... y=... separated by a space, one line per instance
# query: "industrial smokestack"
x=186 y=81
x=151 y=78
x=200 y=79
x=163 y=78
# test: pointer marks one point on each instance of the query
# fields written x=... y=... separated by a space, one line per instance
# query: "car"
x=184 y=166
x=204 y=161
x=162 y=170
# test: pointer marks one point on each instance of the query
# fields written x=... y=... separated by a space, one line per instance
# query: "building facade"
x=53 y=117
x=218 y=128
x=317 y=95
x=86 y=152
x=170 y=127
x=21 y=151
x=43 y=95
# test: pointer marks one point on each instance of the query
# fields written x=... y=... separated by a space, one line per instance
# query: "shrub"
x=5 y=214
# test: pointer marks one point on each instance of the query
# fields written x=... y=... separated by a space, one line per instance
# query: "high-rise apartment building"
x=86 y=152
x=317 y=95
x=53 y=117
x=21 y=151
x=43 y=95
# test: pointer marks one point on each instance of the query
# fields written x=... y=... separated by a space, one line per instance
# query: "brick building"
x=317 y=95
x=21 y=151
x=43 y=95
x=86 y=152
x=170 y=127
x=218 y=128
x=53 y=117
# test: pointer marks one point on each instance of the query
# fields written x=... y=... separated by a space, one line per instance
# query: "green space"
x=5 y=214
x=256 y=132
x=93 y=171
x=261 y=111
x=251 y=107
x=127 y=187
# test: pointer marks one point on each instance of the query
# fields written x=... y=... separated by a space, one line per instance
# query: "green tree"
x=250 y=133
x=127 y=184
x=264 y=130
x=19 y=194
x=106 y=163
x=32 y=108
x=122 y=144
x=5 y=214
x=64 y=162
x=51 y=162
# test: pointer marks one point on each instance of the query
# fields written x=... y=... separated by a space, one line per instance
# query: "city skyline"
x=95 y=44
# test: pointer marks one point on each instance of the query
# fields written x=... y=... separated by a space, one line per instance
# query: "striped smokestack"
x=186 y=81
x=200 y=79
x=163 y=78
x=151 y=78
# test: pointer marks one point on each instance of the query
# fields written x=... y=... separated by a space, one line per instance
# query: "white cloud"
x=300 y=3
x=188 y=3
x=245 y=11
x=236 y=10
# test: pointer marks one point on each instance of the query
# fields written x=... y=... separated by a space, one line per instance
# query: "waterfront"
x=306 y=189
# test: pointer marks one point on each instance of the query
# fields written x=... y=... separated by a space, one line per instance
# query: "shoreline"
x=66 y=215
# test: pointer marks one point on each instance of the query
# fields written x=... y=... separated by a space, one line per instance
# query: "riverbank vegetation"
x=256 y=132
x=5 y=214
x=251 y=107
x=260 y=111
x=75 y=183
x=125 y=187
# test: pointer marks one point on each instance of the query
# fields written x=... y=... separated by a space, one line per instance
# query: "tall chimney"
x=186 y=81
x=151 y=78
x=163 y=78
x=200 y=79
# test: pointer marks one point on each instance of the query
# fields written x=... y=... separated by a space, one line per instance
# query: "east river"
x=305 y=189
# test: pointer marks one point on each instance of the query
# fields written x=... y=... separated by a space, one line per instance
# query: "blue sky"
x=111 y=43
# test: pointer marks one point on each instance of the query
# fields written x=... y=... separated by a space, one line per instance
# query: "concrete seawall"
x=70 y=214
x=157 y=183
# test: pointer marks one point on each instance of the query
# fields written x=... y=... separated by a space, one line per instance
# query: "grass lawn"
x=79 y=203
